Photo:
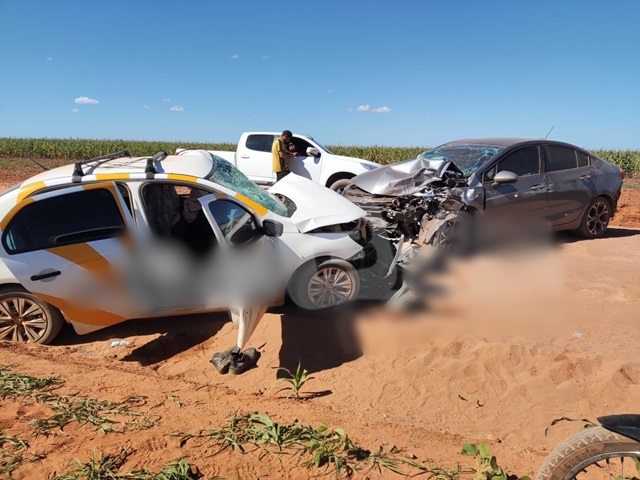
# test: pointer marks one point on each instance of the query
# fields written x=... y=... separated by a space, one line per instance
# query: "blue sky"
x=347 y=72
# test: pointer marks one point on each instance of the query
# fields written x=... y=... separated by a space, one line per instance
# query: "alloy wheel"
x=598 y=218
x=329 y=287
x=21 y=320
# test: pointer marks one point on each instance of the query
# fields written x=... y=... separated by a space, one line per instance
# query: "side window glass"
x=126 y=196
x=583 y=160
x=260 y=143
x=237 y=224
x=300 y=146
x=175 y=212
x=64 y=220
x=489 y=174
x=561 y=158
x=523 y=162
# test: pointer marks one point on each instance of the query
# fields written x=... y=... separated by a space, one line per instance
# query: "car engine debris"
x=409 y=206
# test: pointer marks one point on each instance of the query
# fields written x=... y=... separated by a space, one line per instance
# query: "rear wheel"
x=596 y=218
x=331 y=283
x=26 y=318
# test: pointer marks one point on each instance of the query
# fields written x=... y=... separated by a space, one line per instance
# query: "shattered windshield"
x=225 y=174
x=466 y=157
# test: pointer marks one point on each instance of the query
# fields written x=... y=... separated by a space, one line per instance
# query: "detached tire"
x=596 y=218
x=26 y=318
x=329 y=284
x=338 y=185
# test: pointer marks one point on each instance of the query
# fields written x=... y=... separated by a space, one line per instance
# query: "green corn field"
x=77 y=149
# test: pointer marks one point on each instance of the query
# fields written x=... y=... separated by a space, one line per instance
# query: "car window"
x=524 y=161
x=467 y=158
x=126 y=196
x=237 y=224
x=64 y=220
x=561 y=158
x=225 y=174
x=301 y=146
x=260 y=143
x=583 y=160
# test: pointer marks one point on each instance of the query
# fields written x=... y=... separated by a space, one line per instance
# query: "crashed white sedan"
x=121 y=237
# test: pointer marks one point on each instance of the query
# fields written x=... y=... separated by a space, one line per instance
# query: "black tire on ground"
x=596 y=218
x=586 y=448
x=331 y=283
x=339 y=185
x=26 y=318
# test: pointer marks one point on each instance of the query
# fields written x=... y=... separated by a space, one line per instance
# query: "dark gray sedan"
x=421 y=199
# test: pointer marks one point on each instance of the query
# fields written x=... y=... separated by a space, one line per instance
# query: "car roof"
x=495 y=142
x=506 y=142
x=193 y=164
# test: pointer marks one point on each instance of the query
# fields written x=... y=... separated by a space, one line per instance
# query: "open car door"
x=67 y=247
x=253 y=277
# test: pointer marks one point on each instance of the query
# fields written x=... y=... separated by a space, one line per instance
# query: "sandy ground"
x=505 y=345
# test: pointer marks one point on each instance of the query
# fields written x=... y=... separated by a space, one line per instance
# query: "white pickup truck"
x=315 y=162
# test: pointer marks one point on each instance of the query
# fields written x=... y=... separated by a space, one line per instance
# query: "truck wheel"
x=338 y=185
x=328 y=284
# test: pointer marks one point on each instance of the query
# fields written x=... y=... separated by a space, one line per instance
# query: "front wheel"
x=596 y=218
x=595 y=453
x=26 y=318
x=331 y=283
x=339 y=185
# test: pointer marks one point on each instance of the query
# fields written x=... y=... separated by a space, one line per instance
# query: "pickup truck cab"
x=314 y=161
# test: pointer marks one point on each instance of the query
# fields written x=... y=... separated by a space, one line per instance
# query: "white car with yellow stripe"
x=119 y=237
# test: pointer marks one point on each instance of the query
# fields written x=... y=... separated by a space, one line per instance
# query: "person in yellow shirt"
x=281 y=155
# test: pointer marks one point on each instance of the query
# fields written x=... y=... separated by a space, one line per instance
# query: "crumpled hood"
x=403 y=178
x=317 y=206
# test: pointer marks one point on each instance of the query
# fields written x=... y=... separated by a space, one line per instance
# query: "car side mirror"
x=272 y=228
x=313 y=152
x=505 y=176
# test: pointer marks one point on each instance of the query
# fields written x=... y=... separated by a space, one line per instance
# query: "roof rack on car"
x=77 y=169
x=150 y=169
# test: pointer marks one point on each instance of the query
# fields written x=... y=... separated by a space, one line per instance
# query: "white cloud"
x=166 y=100
x=234 y=56
x=177 y=109
x=86 y=101
x=146 y=107
x=75 y=110
x=370 y=109
x=49 y=58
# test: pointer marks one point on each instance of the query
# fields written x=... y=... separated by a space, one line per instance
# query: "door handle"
x=244 y=156
x=44 y=276
x=585 y=177
x=538 y=186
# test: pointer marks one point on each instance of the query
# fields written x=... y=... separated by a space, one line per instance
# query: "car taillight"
x=623 y=174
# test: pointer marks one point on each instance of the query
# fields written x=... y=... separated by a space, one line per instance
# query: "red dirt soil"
x=491 y=361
